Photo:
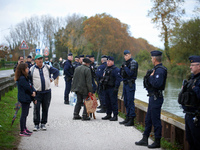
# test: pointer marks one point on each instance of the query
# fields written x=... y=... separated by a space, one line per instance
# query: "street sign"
x=46 y=52
x=37 y=51
x=23 y=45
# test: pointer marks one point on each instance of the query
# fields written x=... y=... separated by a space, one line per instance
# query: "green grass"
x=164 y=143
x=3 y=68
x=9 y=136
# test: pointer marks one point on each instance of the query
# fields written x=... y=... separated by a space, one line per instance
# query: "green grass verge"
x=164 y=143
x=5 y=68
x=9 y=136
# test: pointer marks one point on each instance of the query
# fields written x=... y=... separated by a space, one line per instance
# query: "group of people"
x=83 y=77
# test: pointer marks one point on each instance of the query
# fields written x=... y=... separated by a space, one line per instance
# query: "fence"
x=173 y=127
x=6 y=84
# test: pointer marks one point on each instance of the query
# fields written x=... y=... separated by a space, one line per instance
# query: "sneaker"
x=43 y=127
x=24 y=133
x=36 y=128
x=29 y=132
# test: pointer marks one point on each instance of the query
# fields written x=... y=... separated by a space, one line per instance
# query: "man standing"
x=93 y=71
x=20 y=59
x=156 y=79
x=40 y=76
x=82 y=85
x=76 y=62
x=47 y=62
x=191 y=104
x=68 y=72
x=99 y=77
x=129 y=71
x=111 y=82
x=81 y=57
x=29 y=59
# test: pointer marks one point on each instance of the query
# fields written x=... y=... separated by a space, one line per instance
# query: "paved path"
x=6 y=73
x=63 y=133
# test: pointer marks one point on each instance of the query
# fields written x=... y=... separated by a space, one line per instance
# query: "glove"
x=123 y=64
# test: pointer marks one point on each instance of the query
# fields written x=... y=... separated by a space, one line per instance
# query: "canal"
x=173 y=87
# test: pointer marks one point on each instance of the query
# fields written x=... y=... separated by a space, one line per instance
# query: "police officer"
x=76 y=62
x=156 y=84
x=81 y=57
x=47 y=62
x=189 y=97
x=99 y=77
x=111 y=82
x=68 y=72
x=93 y=71
x=29 y=59
x=129 y=71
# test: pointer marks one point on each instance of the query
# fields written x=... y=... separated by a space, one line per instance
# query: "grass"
x=9 y=136
x=164 y=143
x=3 y=68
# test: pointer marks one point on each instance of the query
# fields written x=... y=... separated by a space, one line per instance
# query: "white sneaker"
x=36 y=128
x=43 y=127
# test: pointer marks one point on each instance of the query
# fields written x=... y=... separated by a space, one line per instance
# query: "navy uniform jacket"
x=129 y=73
x=158 y=79
x=76 y=64
x=196 y=89
x=25 y=90
x=100 y=70
x=29 y=64
x=68 y=69
x=116 y=74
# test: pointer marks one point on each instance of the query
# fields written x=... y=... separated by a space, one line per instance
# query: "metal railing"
x=6 y=84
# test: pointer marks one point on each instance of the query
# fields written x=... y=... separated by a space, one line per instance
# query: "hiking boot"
x=77 y=117
x=36 y=128
x=155 y=144
x=143 y=141
x=85 y=118
x=24 y=133
x=107 y=117
x=130 y=122
x=43 y=127
x=115 y=118
x=125 y=121
x=29 y=132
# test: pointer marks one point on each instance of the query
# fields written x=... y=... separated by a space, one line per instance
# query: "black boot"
x=155 y=144
x=130 y=122
x=85 y=118
x=66 y=102
x=125 y=121
x=114 y=118
x=102 y=110
x=76 y=117
x=107 y=117
x=143 y=141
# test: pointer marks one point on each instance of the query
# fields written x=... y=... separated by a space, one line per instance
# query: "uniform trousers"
x=153 y=117
x=68 y=84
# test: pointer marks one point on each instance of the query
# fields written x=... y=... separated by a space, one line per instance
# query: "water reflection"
x=173 y=87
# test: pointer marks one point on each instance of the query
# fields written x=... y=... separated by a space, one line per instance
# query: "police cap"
x=76 y=56
x=87 y=56
x=86 y=60
x=29 y=56
x=81 y=56
x=194 y=59
x=156 y=53
x=70 y=54
x=110 y=58
x=126 y=52
x=103 y=56
x=91 y=56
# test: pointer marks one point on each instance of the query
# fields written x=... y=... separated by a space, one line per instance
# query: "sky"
x=131 y=12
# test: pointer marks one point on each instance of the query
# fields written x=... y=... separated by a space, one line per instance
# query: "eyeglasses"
x=192 y=65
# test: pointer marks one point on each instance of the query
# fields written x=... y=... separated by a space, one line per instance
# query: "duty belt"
x=128 y=81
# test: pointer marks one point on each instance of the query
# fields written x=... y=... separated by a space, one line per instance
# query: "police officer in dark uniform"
x=29 y=59
x=156 y=84
x=189 y=98
x=111 y=82
x=129 y=71
x=68 y=72
x=81 y=57
x=76 y=63
x=99 y=77
x=93 y=71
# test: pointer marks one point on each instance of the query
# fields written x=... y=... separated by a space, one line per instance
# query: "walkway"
x=63 y=133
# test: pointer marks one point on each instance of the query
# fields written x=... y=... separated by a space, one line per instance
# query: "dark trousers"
x=43 y=99
x=79 y=103
x=111 y=101
x=67 y=89
x=129 y=97
x=153 y=117
x=102 y=98
x=192 y=131
x=24 y=114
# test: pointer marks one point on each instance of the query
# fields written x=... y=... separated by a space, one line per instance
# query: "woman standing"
x=25 y=91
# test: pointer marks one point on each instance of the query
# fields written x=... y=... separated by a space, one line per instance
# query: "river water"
x=172 y=88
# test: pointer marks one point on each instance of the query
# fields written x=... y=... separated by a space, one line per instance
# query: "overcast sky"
x=131 y=12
